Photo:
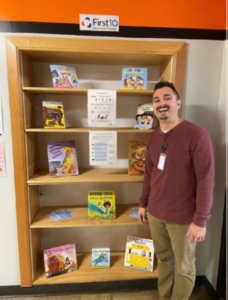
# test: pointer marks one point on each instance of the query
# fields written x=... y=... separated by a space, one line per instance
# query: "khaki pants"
x=176 y=259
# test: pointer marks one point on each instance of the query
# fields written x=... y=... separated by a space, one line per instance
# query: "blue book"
x=134 y=78
x=100 y=258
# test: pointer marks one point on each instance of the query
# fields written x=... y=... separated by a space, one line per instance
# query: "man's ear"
x=179 y=102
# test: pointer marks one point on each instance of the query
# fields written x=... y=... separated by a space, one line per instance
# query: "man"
x=177 y=191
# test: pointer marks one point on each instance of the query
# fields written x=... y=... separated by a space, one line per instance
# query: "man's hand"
x=196 y=233
x=142 y=215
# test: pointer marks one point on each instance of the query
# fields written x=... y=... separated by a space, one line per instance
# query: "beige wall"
x=203 y=102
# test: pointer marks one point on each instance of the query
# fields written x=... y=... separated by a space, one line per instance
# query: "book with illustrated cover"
x=64 y=77
x=53 y=114
x=62 y=158
x=134 y=78
x=100 y=258
x=145 y=117
x=101 y=205
x=137 y=157
x=60 y=260
x=139 y=254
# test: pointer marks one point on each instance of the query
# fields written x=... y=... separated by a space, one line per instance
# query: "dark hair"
x=107 y=203
x=162 y=84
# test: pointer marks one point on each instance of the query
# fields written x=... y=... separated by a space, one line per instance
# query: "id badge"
x=161 y=163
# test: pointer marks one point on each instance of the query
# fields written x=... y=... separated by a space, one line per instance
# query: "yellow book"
x=101 y=205
x=53 y=114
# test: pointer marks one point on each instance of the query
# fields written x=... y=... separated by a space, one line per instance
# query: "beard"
x=163 y=118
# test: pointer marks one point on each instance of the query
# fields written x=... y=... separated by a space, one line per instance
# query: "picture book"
x=62 y=158
x=134 y=78
x=101 y=205
x=137 y=157
x=134 y=213
x=139 y=254
x=60 y=260
x=64 y=77
x=100 y=258
x=53 y=114
x=144 y=116
x=2 y=160
x=59 y=215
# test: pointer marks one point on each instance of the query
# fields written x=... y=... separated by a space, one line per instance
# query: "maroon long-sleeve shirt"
x=183 y=191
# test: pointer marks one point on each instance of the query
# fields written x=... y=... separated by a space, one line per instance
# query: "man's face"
x=165 y=104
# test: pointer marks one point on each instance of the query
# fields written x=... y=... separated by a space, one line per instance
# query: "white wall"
x=203 y=101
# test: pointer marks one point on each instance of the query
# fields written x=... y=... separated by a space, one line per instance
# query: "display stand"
x=22 y=53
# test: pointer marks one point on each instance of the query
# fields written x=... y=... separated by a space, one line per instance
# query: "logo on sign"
x=99 y=23
x=86 y=22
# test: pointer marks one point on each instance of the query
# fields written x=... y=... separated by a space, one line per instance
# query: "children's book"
x=134 y=78
x=53 y=114
x=134 y=213
x=100 y=258
x=60 y=260
x=137 y=157
x=64 y=77
x=145 y=116
x=101 y=205
x=62 y=158
x=139 y=254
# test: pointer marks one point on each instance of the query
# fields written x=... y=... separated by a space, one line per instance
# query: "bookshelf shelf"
x=85 y=273
x=86 y=130
x=80 y=217
x=41 y=90
x=85 y=176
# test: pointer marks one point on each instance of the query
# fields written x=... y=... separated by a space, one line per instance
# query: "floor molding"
x=91 y=288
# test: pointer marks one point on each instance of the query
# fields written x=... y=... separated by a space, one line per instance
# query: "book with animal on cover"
x=139 y=254
x=137 y=156
x=134 y=78
x=101 y=205
x=60 y=260
x=62 y=158
x=64 y=77
x=100 y=258
x=53 y=114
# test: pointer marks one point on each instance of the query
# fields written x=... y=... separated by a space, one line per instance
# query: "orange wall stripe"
x=201 y=14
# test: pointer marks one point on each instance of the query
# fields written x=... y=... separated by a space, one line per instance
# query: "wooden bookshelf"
x=80 y=217
x=86 y=130
x=85 y=273
x=24 y=54
x=120 y=92
x=85 y=176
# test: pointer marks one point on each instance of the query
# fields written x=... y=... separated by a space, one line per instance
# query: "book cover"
x=145 y=116
x=60 y=260
x=100 y=258
x=101 y=205
x=64 y=77
x=134 y=78
x=62 y=158
x=139 y=254
x=137 y=157
x=53 y=114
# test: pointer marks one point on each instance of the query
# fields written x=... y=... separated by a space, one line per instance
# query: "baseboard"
x=91 y=288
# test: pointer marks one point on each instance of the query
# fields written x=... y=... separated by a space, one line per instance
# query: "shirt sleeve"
x=203 y=160
x=146 y=184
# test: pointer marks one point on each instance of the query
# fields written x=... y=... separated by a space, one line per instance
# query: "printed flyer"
x=103 y=147
x=101 y=108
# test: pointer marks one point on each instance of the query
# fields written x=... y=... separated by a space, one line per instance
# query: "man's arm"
x=203 y=160
x=146 y=187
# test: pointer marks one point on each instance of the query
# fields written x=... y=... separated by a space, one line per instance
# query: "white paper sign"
x=103 y=147
x=1 y=122
x=2 y=161
x=99 y=23
x=101 y=108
